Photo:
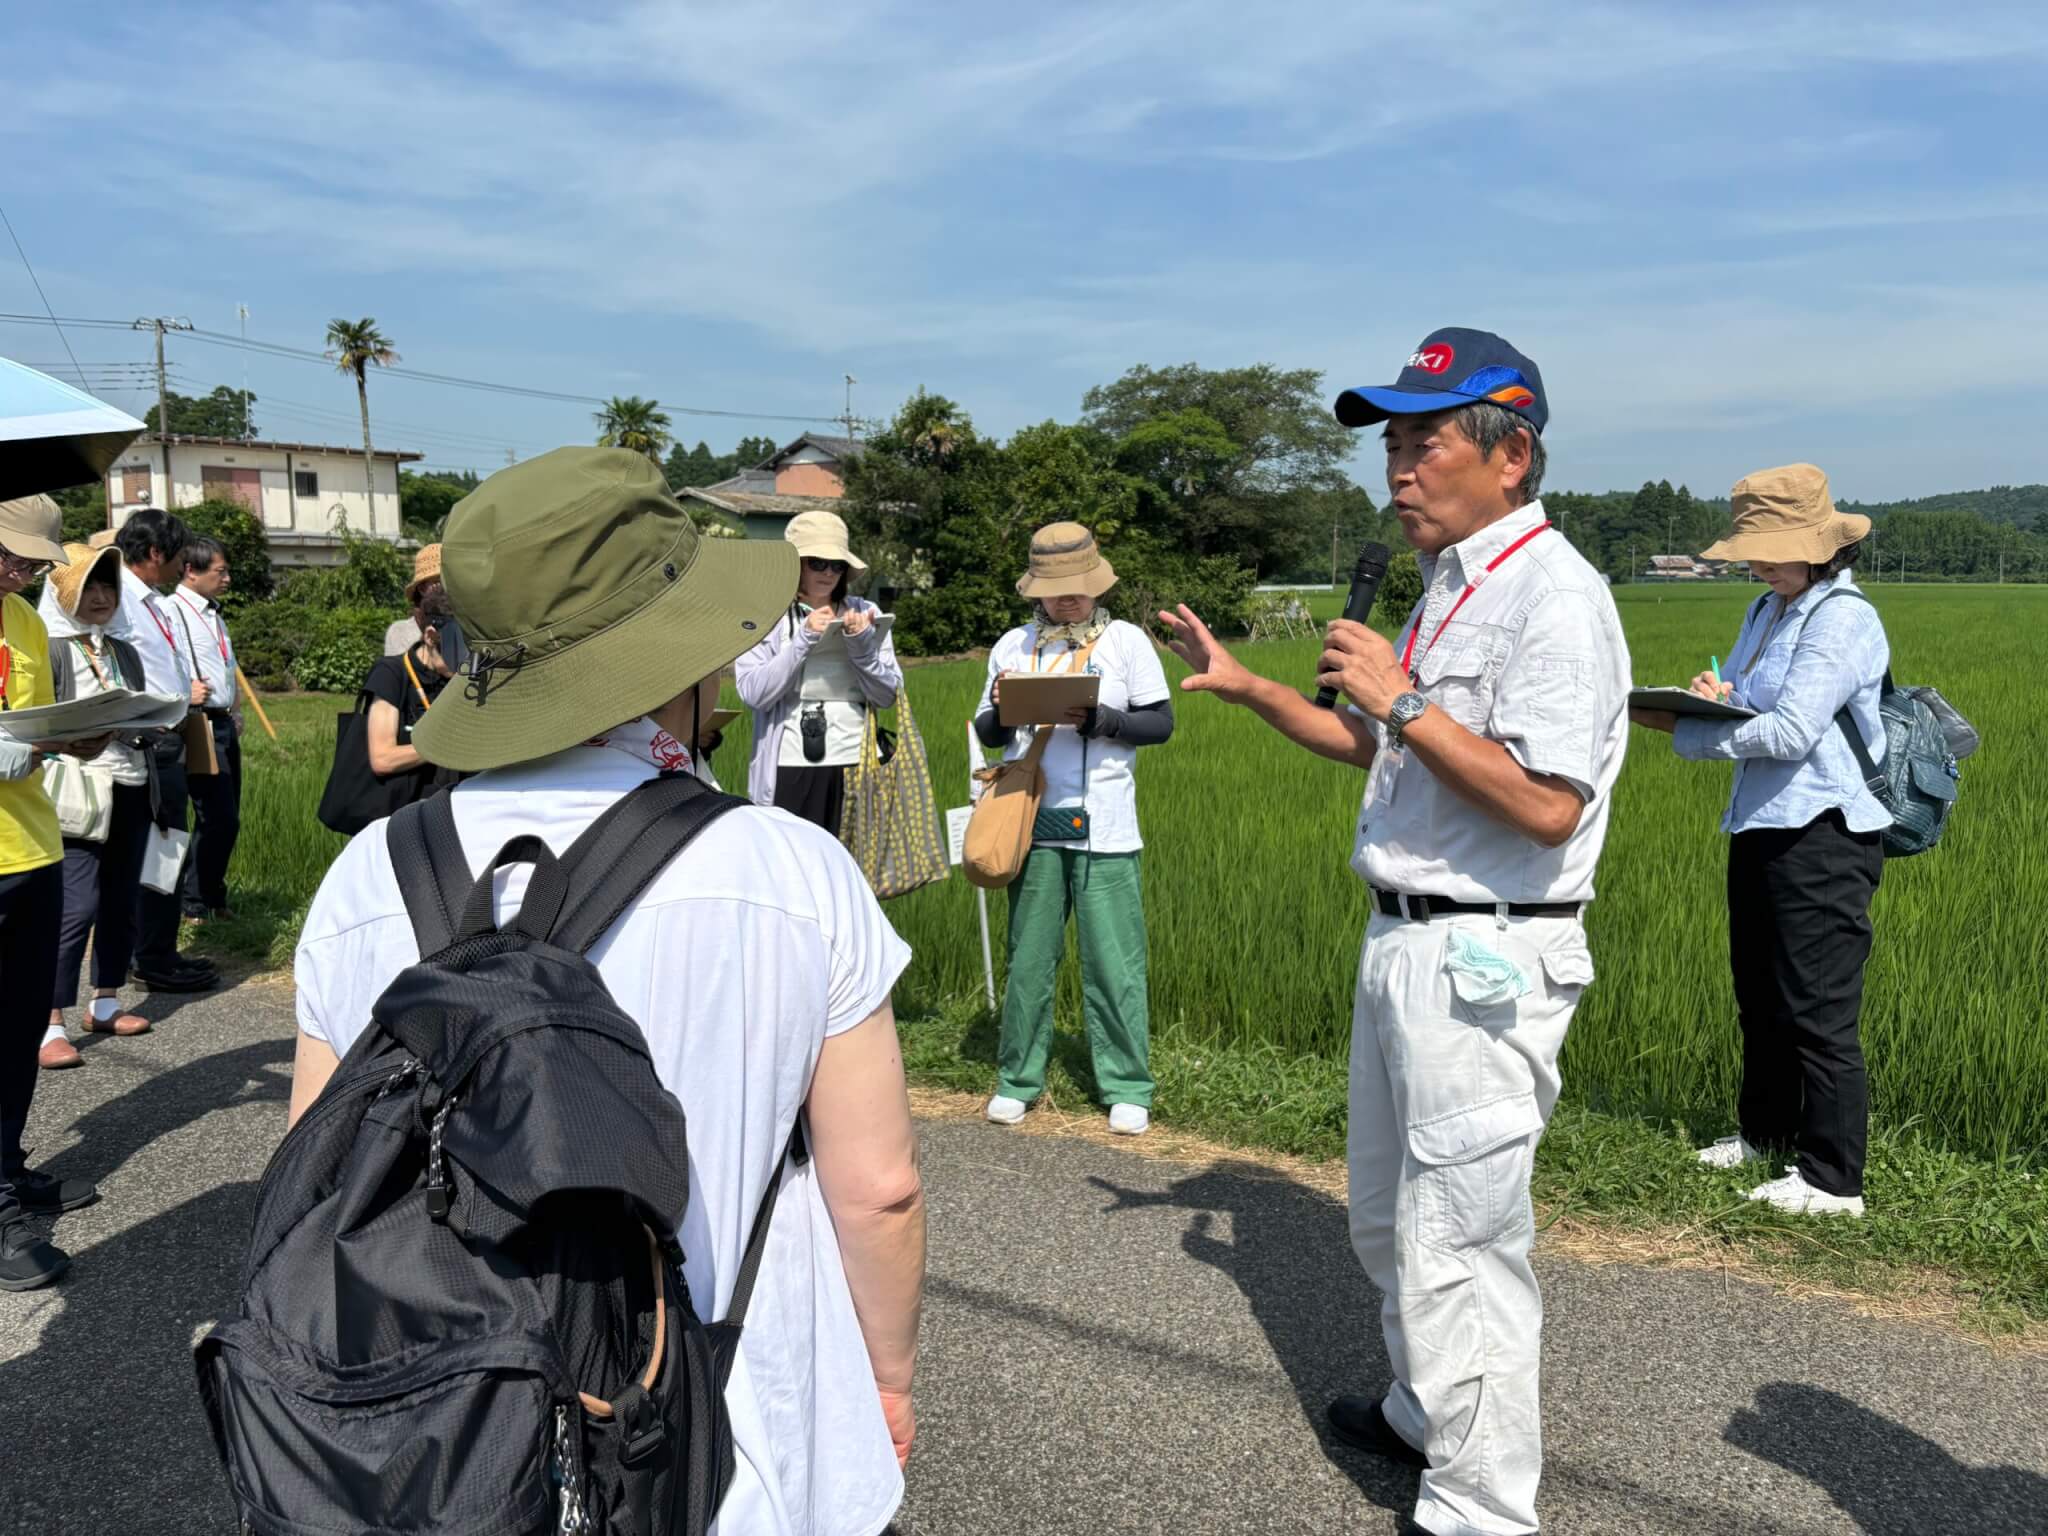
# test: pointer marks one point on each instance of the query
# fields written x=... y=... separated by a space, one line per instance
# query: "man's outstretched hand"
x=1215 y=669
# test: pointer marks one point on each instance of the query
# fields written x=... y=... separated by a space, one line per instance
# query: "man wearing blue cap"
x=1493 y=731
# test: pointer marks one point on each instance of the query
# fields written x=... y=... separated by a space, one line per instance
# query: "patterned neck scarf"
x=645 y=742
x=1076 y=635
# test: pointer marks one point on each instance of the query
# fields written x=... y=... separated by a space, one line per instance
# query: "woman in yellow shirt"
x=31 y=897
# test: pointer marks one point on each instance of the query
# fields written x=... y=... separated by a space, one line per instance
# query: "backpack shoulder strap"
x=432 y=870
x=619 y=854
x=1874 y=778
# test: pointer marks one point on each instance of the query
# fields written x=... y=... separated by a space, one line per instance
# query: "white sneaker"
x=1792 y=1193
x=1006 y=1111
x=1129 y=1119
x=1729 y=1152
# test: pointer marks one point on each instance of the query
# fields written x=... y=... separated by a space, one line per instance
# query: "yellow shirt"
x=29 y=838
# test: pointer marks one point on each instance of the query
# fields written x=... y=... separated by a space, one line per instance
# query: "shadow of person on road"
x=1889 y=1480
x=1289 y=1252
x=103 y=1415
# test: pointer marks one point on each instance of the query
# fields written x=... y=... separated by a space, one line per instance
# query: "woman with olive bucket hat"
x=1084 y=853
x=811 y=683
x=1805 y=852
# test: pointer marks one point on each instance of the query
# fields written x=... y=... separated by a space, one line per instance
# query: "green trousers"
x=1102 y=891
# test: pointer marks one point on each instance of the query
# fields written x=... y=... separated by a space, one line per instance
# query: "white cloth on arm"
x=1132 y=677
x=741 y=959
x=1535 y=660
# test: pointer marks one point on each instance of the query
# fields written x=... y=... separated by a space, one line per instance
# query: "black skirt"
x=818 y=795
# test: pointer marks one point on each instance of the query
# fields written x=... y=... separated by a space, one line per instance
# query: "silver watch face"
x=1409 y=706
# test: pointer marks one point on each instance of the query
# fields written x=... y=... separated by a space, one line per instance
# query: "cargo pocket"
x=1473 y=1186
x=1568 y=967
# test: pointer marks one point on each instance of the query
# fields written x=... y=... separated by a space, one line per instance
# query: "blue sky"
x=1731 y=235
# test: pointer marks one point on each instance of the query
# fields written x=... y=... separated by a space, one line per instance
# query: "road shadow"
x=1289 y=1252
x=104 y=1428
x=1888 y=1479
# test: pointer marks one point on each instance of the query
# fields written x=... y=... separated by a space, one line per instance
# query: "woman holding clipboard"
x=811 y=683
x=1084 y=854
x=1805 y=851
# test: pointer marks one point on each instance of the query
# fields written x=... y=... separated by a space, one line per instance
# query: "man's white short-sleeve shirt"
x=739 y=961
x=1535 y=660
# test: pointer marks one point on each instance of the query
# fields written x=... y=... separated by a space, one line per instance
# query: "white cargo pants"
x=1452 y=1080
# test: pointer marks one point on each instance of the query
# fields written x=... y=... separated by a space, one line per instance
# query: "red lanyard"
x=6 y=660
x=163 y=628
x=220 y=631
x=1408 y=656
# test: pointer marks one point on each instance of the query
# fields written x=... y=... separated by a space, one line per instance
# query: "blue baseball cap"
x=1452 y=367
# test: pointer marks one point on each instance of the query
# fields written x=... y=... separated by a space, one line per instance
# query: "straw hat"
x=426 y=567
x=1065 y=563
x=821 y=536
x=67 y=582
x=587 y=598
x=33 y=528
x=1786 y=516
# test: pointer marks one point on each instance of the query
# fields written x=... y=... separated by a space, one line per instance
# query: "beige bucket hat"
x=426 y=567
x=33 y=528
x=1784 y=516
x=821 y=536
x=68 y=581
x=1065 y=563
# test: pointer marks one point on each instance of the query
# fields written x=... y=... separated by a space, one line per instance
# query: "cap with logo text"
x=1452 y=367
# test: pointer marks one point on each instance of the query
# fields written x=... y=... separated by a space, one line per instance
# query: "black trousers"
x=818 y=795
x=30 y=904
x=217 y=816
x=100 y=882
x=1798 y=937
x=157 y=915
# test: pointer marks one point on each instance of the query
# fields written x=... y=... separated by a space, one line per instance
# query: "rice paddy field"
x=1255 y=918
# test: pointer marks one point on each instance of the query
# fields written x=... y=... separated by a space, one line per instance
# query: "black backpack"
x=463 y=1305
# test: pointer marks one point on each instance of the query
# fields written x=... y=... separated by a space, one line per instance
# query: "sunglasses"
x=821 y=567
x=24 y=567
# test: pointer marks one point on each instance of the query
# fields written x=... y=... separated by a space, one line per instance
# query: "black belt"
x=1422 y=908
x=218 y=714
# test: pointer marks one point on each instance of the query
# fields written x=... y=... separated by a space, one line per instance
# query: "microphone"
x=1365 y=586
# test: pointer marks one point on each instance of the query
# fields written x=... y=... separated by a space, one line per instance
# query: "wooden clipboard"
x=1043 y=698
x=200 y=759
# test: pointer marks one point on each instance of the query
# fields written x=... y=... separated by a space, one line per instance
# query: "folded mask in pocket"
x=1479 y=975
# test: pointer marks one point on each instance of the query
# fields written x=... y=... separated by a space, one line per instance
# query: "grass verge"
x=1948 y=1237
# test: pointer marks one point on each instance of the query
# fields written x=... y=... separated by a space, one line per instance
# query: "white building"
x=299 y=491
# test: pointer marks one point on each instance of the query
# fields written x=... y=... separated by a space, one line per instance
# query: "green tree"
x=356 y=346
x=223 y=413
x=1400 y=589
x=639 y=425
x=84 y=508
x=425 y=500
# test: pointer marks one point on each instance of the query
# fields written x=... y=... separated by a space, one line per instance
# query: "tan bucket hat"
x=587 y=599
x=33 y=528
x=821 y=536
x=1065 y=563
x=1784 y=516
x=426 y=567
x=67 y=582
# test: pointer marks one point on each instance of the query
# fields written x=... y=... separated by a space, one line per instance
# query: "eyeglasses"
x=27 y=569
x=821 y=567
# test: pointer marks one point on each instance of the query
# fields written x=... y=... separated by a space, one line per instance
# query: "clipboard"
x=1683 y=701
x=719 y=719
x=1043 y=698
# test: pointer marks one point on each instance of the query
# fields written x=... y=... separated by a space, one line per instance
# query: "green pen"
x=1715 y=663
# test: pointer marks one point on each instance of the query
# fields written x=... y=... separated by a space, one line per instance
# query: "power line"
x=38 y=282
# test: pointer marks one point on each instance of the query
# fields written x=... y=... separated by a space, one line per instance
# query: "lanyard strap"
x=425 y=702
x=212 y=620
x=162 y=628
x=1408 y=655
x=6 y=660
x=85 y=649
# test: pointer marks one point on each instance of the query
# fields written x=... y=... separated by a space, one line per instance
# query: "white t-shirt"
x=830 y=680
x=1131 y=677
x=750 y=950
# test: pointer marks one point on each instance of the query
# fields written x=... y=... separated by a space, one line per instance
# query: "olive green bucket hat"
x=587 y=599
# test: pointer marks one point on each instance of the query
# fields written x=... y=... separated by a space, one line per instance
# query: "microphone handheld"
x=1365 y=588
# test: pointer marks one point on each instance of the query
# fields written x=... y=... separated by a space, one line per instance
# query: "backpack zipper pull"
x=440 y=1190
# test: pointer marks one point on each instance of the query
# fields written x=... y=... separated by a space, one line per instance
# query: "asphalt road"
x=1112 y=1344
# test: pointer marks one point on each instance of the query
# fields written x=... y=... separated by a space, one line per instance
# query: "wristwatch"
x=1406 y=710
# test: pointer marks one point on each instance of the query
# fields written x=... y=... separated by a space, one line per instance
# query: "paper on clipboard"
x=1043 y=698
x=883 y=623
x=117 y=710
x=1683 y=701
x=719 y=719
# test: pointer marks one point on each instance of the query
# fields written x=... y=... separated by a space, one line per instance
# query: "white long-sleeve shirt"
x=200 y=625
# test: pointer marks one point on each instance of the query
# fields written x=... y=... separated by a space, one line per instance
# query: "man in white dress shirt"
x=152 y=545
x=216 y=797
x=1493 y=730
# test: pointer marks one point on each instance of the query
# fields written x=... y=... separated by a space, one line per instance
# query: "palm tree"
x=355 y=345
x=631 y=422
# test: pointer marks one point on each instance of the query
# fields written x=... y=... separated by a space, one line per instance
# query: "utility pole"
x=1333 y=552
x=242 y=311
x=849 y=418
x=160 y=324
